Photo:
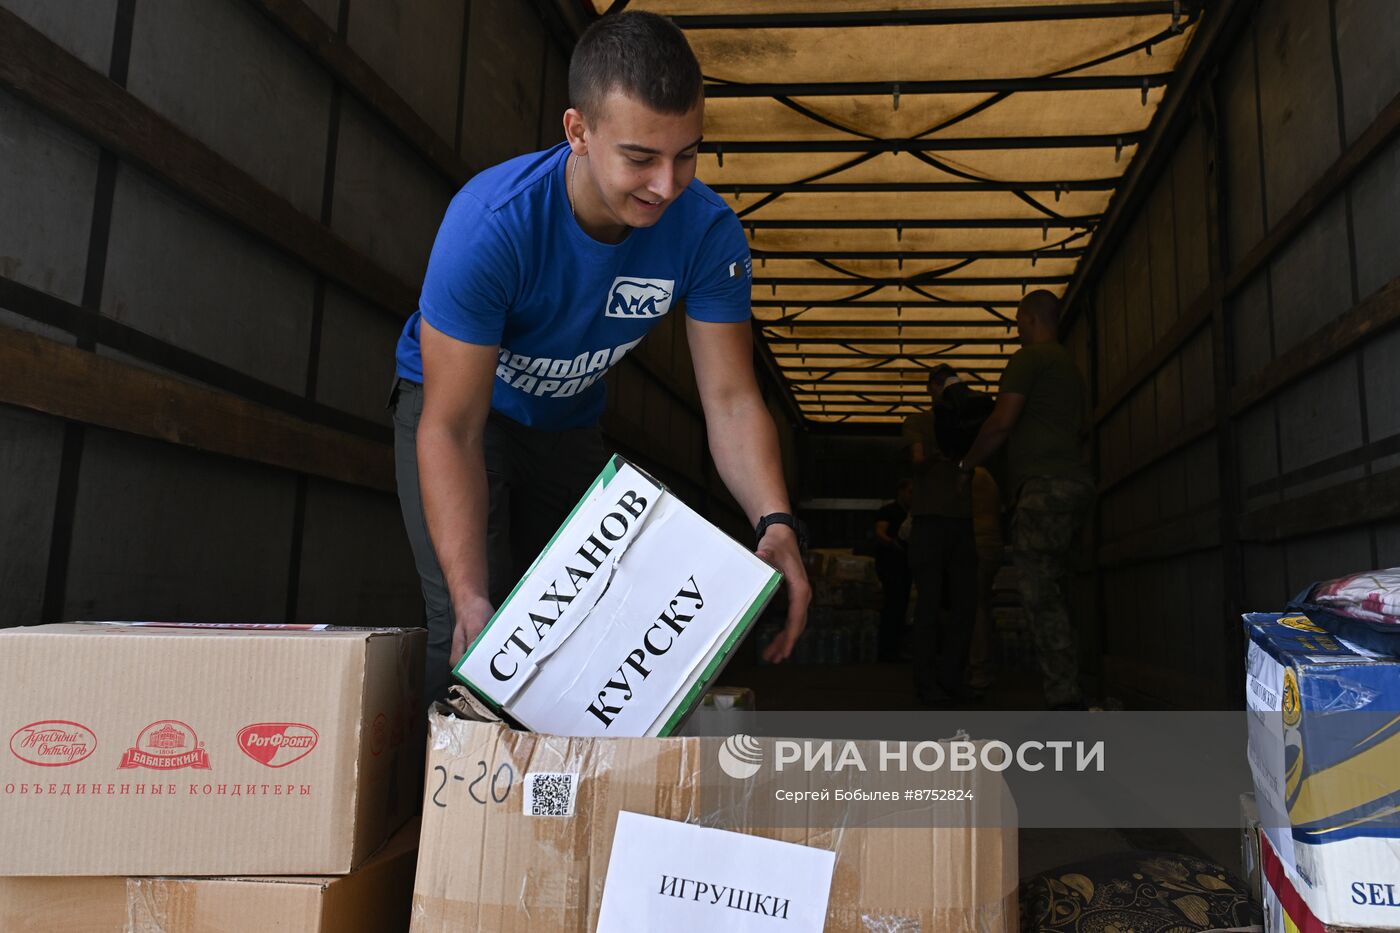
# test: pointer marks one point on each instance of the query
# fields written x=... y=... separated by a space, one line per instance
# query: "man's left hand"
x=779 y=548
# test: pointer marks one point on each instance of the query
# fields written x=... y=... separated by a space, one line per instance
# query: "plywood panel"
x=1168 y=383
x=1244 y=177
x=1256 y=439
x=1197 y=375
x=1319 y=417
x=356 y=356
x=83 y=27
x=1137 y=289
x=1368 y=46
x=1115 y=442
x=1265 y=586
x=1120 y=640
x=501 y=102
x=31 y=447
x=1142 y=406
x=1297 y=100
x=1375 y=204
x=1169 y=486
x=1325 y=557
x=1100 y=324
x=1199 y=596
x=1146 y=509
x=1202 y=468
x=1251 y=329
x=388 y=202
x=414 y=45
x=1111 y=515
x=176 y=273
x=47 y=177
x=1311 y=278
x=1189 y=210
x=1388 y=545
x=1113 y=326
x=225 y=74
x=1382 y=366
x=356 y=567
x=161 y=532
x=1161 y=220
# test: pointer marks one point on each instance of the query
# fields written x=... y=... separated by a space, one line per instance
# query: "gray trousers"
x=534 y=478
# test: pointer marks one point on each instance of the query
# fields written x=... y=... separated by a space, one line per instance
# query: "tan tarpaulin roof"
x=907 y=170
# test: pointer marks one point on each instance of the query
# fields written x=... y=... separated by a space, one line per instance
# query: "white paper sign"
x=665 y=875
x=619 y=618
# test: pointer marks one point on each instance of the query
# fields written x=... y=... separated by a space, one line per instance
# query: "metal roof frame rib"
x=987 y=163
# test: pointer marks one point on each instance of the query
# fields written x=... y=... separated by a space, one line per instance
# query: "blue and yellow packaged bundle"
x=1324 y=747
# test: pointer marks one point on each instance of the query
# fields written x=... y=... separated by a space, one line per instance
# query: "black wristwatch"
x=798 y=526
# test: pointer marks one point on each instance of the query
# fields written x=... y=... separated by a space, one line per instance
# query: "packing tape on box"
x=159 y=905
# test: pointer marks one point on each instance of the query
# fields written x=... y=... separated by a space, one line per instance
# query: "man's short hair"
x=641 y=54
x=940 y=374
x=1044 y=305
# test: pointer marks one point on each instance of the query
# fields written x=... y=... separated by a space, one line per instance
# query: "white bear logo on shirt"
x=632 y=297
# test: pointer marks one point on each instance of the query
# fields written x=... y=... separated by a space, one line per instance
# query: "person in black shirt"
x=892 y=566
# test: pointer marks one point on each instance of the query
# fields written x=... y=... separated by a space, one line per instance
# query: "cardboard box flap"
x=199 y=630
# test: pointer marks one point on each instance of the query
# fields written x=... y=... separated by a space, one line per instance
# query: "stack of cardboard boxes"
x=1324 y=748
x=185 y=778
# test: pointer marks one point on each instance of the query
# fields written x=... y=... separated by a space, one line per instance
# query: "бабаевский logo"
x=633 y=297
x=740 y=756
x=165 y=745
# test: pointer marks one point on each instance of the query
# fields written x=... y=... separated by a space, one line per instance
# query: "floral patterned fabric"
x=1137 y=892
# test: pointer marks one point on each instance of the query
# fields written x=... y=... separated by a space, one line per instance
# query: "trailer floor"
x=872 y=687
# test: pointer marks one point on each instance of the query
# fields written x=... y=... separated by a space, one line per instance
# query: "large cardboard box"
x=375 y=898
x=1324 y=749
x=623 y=620
x=518 y=832
x=188 y=750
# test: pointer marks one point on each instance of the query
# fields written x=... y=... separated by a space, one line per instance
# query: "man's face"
x=904 y=496
x=1024 y=323
x=640 y=160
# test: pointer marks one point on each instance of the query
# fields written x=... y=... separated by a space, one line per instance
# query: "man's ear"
x=576 y=131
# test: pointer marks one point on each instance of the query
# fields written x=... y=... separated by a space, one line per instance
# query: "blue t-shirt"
x=512 y=268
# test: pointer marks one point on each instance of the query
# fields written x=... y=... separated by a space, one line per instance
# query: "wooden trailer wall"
x=1236 y=331
x=216 y=216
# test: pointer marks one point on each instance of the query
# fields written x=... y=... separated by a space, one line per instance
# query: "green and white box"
x=623 y=620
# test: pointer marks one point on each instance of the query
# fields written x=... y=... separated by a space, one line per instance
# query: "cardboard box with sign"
x=1324 y=742
x=531 y=832
x=140 y=749
x=624 y=619
x=374 y=898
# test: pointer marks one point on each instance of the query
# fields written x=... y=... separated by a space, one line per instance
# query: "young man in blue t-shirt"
x=547 y=269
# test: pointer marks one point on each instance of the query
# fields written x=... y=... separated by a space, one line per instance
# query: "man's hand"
x=779 y=548
x=472 y=617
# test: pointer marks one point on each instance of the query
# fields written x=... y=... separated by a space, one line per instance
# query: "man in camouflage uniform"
x=1038 y=416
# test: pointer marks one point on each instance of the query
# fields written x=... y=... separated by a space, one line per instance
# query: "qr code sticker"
x=550 y=793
